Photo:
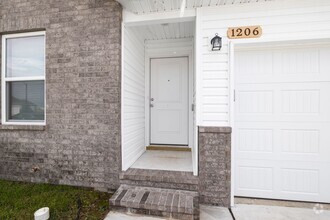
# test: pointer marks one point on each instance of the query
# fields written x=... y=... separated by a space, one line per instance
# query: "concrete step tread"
x=156 y=199
x=160 y=176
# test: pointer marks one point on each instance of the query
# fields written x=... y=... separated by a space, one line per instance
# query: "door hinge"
x=234 y=95
x=193 y=107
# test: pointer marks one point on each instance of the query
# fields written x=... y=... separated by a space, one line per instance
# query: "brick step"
x=169 y=203
x=160 y=178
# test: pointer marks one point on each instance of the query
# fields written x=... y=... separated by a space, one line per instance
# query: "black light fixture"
x=216 y=42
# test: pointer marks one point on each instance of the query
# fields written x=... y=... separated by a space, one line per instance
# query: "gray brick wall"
x=81 y=142
x=215 y=165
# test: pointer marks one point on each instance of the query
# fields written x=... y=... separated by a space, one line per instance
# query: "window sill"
x=23 y=127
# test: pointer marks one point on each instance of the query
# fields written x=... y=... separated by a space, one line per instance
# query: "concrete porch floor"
x=165 y=160
x=244 y=212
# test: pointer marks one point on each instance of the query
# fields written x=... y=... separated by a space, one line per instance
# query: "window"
x=23 y=78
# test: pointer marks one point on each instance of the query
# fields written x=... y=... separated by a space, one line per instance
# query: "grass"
x=21 y=200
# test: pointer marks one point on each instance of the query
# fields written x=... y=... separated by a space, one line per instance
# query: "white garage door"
x=282 y=123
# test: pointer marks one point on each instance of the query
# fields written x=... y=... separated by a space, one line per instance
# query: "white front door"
x=169 y=101
x=282 y=123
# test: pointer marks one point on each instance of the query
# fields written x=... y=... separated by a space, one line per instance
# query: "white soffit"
x=154 y=6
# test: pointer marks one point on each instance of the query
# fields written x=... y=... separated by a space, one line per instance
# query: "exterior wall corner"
x=215 y=165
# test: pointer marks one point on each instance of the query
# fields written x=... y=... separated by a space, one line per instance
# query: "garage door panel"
x=258 y=176
x=254 y=140
x=324 y=182
x=288 y=102
x=297 y=141
x=288 y=79
x=279 y=62
x=278 y=65
x=247 y=61
x=324 y=60
x=300 y=180
x=282 y=123
x=255 y=101
x=280 y=157
x=261 y=178
x=282 y=141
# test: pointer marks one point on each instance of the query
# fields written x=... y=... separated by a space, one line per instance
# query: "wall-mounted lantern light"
x=216 y=42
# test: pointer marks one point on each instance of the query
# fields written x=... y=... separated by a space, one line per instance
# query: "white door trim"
x=231 y=58
x=190 y=92
x=234 y=45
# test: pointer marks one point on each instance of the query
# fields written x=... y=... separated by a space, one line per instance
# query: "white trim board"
x=231 y=58
x=123 y=166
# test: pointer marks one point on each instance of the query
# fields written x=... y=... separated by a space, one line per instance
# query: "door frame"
x=164 y=55
x=235 y=45
x=187 y=95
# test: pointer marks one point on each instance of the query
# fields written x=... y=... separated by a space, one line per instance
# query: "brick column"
x=215 y=165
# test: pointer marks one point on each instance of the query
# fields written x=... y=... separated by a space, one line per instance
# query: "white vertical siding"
x=281 y=21
x=133 y=96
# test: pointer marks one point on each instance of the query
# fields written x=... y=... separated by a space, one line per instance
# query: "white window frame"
x=4 y=79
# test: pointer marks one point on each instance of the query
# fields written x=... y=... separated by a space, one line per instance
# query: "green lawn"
x=21 y=200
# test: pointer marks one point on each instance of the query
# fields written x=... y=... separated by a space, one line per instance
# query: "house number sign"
x=244 y=32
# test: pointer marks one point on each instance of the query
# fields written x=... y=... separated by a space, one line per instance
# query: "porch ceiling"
x=153 y=6
x=166 y=31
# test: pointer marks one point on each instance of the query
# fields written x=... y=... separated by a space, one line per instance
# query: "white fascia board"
x=268 y=7
x=131 y=19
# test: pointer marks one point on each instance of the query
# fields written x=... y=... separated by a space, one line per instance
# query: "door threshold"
x=169 y=148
